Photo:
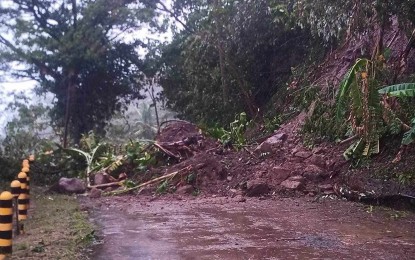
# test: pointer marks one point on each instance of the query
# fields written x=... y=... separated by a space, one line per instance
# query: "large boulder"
x=71 y=185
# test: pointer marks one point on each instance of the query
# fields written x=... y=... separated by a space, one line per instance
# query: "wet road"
x=219 y=228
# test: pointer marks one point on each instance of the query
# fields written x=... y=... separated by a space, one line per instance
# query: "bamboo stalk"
x=106 y=185
x=164 y=177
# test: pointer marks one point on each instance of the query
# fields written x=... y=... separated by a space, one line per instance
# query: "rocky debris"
x=272 y=144
x=234 y=193
x=256 y=188
x=71 y=185
x=187 y=189
x=303 y=154
x=95 y=193
x=314 y=173
x=280 y=174
x=318 y=160
x=102 y=178
x=293 y=183
x=319 y=150
x=325 y=187
x=239 y=198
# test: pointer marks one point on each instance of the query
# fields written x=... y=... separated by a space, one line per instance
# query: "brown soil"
x=321 y=170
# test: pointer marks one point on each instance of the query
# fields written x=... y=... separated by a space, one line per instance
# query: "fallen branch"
x=159 y=179
x=166 y=151
x=106 y=185
x=175 y=120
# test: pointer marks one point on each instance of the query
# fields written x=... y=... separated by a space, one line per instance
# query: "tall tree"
x=231 y=56
x=77 y=50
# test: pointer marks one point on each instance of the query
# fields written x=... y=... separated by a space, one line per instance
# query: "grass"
x=56 y=229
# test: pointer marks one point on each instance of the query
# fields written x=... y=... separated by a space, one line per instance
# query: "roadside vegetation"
x=56 y=229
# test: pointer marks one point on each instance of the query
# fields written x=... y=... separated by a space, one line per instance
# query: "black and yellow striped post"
x=25 y=163
x=15 y=189
x=26 y=169
x=22 y=211
x=24 y=187
x=6 y=223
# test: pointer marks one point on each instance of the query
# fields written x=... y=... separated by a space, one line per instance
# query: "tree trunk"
x=71 y=81
x=221 y=52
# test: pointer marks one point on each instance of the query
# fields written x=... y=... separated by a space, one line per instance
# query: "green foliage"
x=349 y=90
x=320 y=124
x=236 y=133
x=359 y=90
x=399 y=90
x=406 y=178
x=223 y=63
x=403 y=90
x=76 y=50
x=409 y=136
x=272 y=124
x=333 y=19
x=139 y=157
x=163 y=187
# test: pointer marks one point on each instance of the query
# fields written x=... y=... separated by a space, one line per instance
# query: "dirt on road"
x=176 y=227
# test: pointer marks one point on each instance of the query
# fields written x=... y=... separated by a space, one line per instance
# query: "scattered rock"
x=256 y=188
x=319 y=150
x=229 y=178
x=280 y=174
x=187 y=189
x=95 y=193
x=100 y=178
x=239 y=198
x=71 y=185
x=325 y=187
x=272 y=144
x=318 y=160
x=297 y=178
x=303 y=154
x=263 y=148
x=293 y=183
x=234 y=193
x=313 y=173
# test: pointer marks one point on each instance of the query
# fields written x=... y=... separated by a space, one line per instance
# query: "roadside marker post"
x=22 y=177
x=22 y=211
x=6 y=223
x=15 y=189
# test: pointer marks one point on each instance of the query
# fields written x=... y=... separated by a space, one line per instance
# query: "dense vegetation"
x=265 y=59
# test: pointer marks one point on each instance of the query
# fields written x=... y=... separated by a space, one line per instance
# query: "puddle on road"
x=253 y=230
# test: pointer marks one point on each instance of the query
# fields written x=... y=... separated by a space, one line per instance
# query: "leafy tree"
x=77 y=51
x=229 y=57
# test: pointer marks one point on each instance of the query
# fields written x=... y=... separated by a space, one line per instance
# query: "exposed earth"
x=273 y=200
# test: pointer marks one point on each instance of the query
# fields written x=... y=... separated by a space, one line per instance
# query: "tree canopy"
x=77 y=50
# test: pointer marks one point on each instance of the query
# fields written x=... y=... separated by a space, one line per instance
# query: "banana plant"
x=402 y=90
x=358 y=96
x=90 y=158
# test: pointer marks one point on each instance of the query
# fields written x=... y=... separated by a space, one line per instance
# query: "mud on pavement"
x=176 y=227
